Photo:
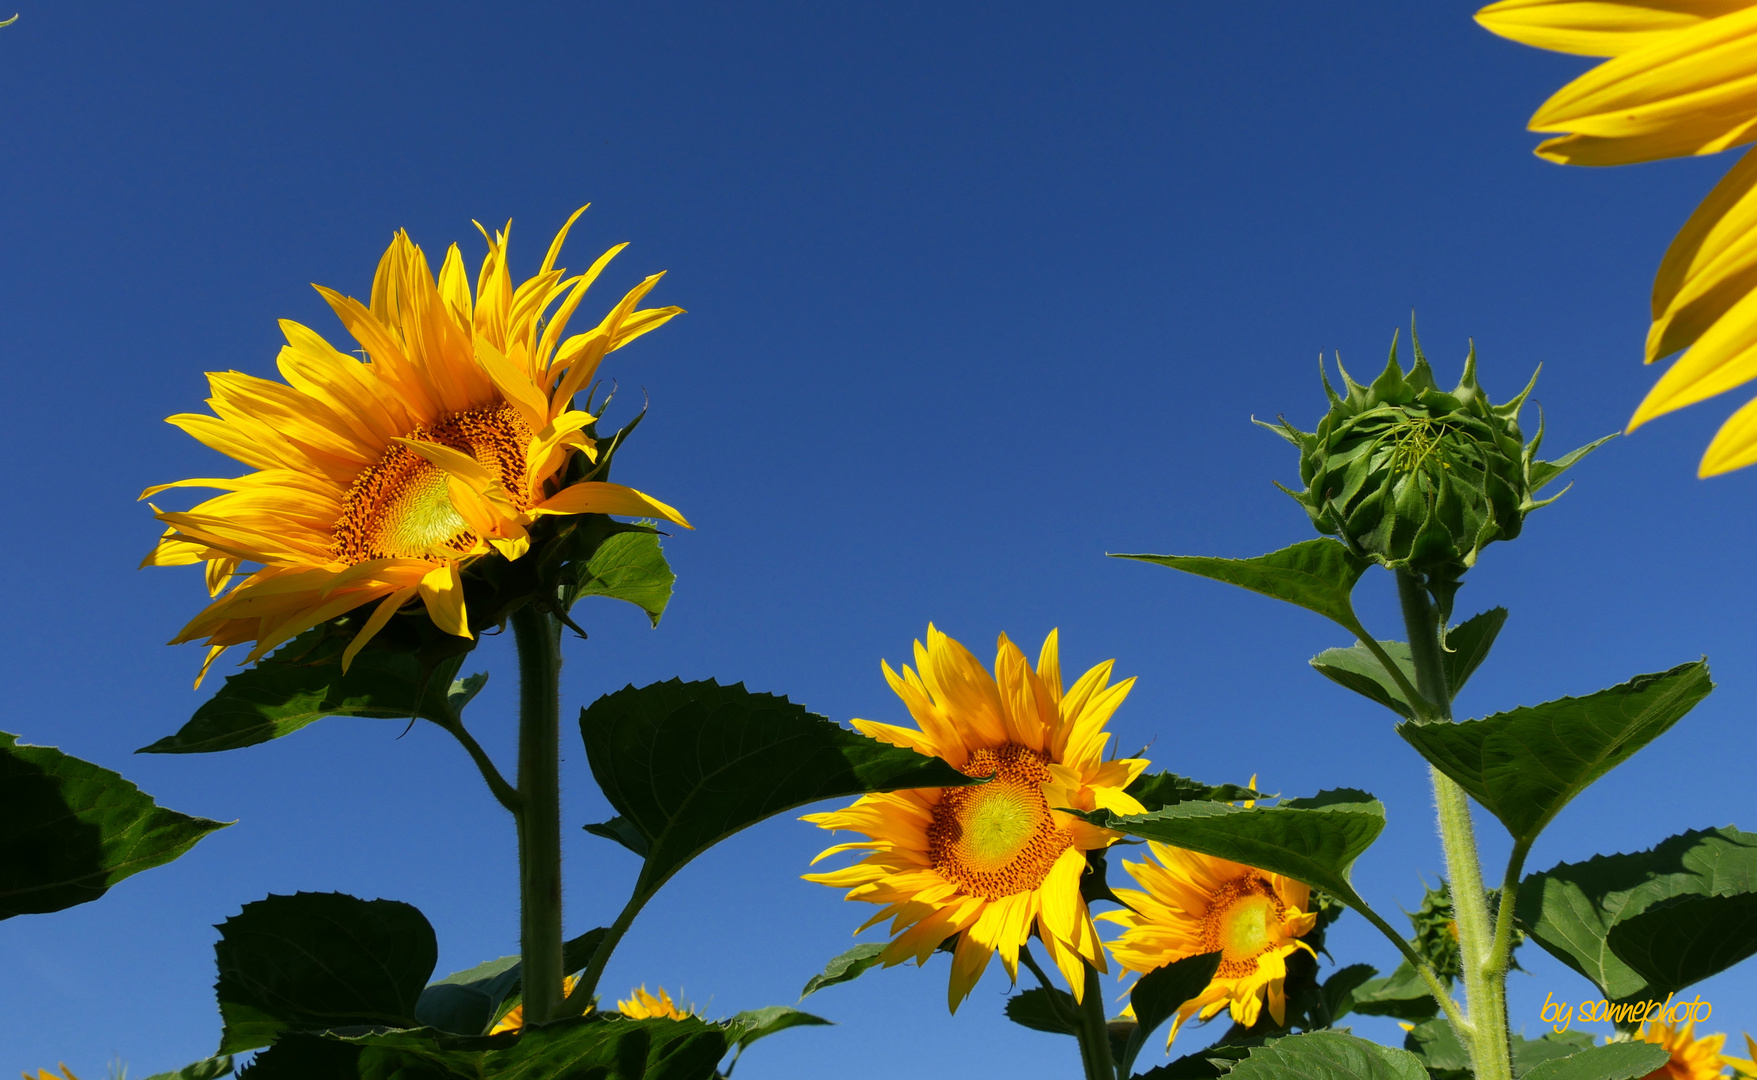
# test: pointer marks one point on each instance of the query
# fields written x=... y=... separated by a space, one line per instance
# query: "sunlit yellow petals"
x=1017 y=682
x=1599 y=27
x=1696 y=88
x=969 y=960
x=557 y=326
x=1086 y=736
x=896 y=736
x=1710 y=265
x=1724 y=356
x=582 y=367
x=959 y=681
x=554 y=251
x=1049 y=665
x=442 y=590
x=44 y=1074
x=292 y=415
x=380 y=615
x=386 y=352
x=598 y=497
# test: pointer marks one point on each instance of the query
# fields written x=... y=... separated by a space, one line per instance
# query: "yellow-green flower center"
x=999 y=838
x=401 y=507
x=1242 y=922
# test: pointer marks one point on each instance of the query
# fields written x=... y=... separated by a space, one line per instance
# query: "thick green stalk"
x=1095 y=1030
x=539 y=823
x=1484 y=983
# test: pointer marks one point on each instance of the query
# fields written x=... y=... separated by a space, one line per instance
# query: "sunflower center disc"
x=1243 y=922
x=401 y=507
x=998 y=838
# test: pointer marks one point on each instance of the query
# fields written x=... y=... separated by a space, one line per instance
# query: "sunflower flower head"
x=1693 y=1058
x=1190 y=904
x=514 y=1019
x=44 y=1074
x=986 y=864
x=644 y=1006
x=1418 y=478
x=378 y=479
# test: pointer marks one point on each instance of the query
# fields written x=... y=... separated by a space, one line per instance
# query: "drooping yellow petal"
x=1724 y=356
x=599 y=497
x=1710 y=265
x=442 y=590
x=1599 y=27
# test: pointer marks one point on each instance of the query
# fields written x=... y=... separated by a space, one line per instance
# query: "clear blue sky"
x=976 y=294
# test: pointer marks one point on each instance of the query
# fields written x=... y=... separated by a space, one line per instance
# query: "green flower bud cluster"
x=1417 y=478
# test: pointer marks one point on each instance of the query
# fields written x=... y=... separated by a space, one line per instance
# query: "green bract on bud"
x=1418 y=478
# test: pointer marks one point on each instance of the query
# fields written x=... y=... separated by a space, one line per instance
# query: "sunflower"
x=987 y=862
x=378 y=480
x=1692 y=1058
x=1681 y=81
x=644 y=1006
x=1195 y=904
x=1746 y=1066
x=44 y=1074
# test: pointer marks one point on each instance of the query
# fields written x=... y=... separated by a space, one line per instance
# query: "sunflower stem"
x=1484 y=981
x=1094 y=1030
x=539 y=820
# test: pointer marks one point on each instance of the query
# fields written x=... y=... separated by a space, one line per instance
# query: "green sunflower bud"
x=1418 y=478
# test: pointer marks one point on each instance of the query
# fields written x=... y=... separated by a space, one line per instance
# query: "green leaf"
x=844 y=968
x=1038 y=1007
x=1207 y=1064
x=469 y=1002
x=1617 y=1061
x=207 y=1069
x=753 y=1024
x=1318 y=575
x=70 y=829
x=317 y=961
x=1686 y=939
x=1401 y=994
x=1525 y=765
x=1340 y=987
x=621 y=830
x=689 y=764
x=1438 y=1046
x=1572 y=908
x=1528 y=1053
x=1359 y=670
x=303 y=682
x=1468 y=645
x=1310 y=840
x=1158 y=790
x=587 y=1048
x=1159 y=994
x=628 y=566
x=1328 y=1055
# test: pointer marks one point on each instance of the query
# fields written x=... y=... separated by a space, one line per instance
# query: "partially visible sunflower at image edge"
x=1195 y=904
x=1680 y=81
x=1693 y=1057
x=990 y=861
x=378 y=480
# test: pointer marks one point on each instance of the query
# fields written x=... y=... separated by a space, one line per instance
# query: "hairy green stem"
x=1454 y=1014
x=539 y=823
x=1484 y=985
x=1501 y=950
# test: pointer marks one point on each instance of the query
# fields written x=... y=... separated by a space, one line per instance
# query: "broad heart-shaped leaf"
x=1207 y=1064
x=689 y=764
x=469 y=1002
x=845 y=967
x=1359 y=670
x=1617 y=1061
x=1312 y=840
x=1572 y=908
x=70 y=829
x=1044 y=1009
x=207 y=1069
x=1158 y=790
x=588 y=1048
x=1318 y=575
x=303 y=682
x=1328 y=1055
x=1525 y=765
x=627 y=566
x=318 y=961
x=1686 y=939
x=1339 y=989
x=1438 y=1046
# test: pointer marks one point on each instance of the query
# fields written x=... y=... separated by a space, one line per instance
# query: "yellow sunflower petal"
x=442 y=590
x=1599 y=27
x=1691 y=92
x=598 y=497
